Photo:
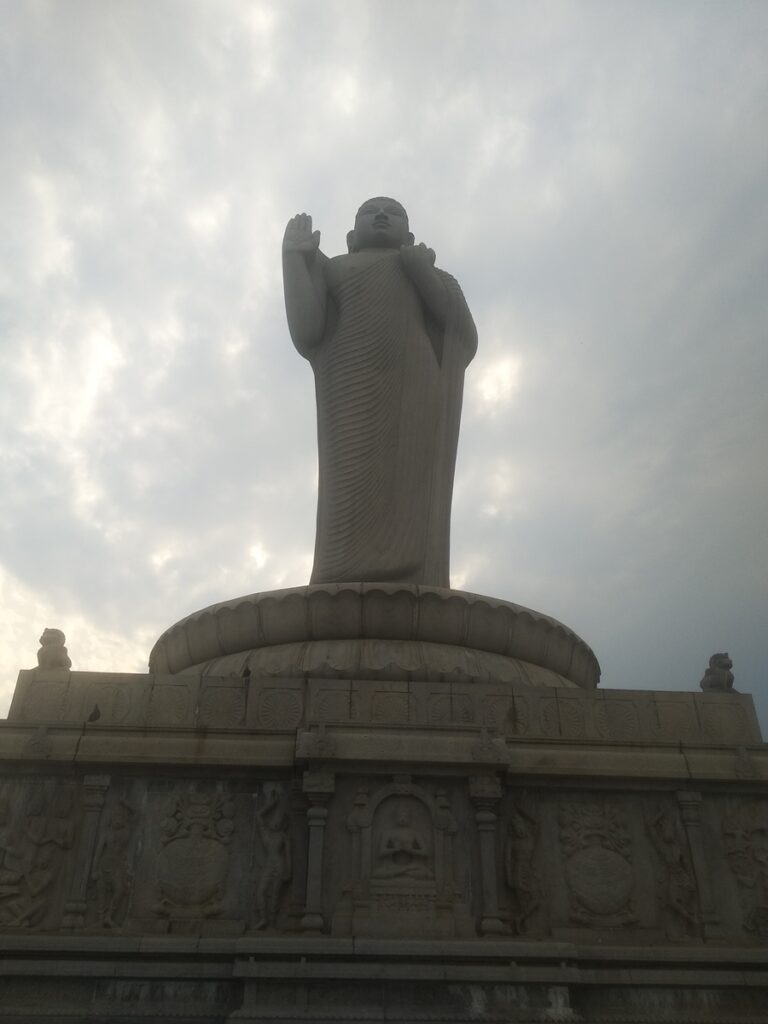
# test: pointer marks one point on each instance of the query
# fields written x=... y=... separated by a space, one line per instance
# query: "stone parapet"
x=287 y=704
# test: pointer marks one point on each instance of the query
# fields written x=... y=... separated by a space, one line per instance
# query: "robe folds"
x=389 y=386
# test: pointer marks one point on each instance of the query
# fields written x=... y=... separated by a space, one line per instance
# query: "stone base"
x=393 y=631
x=331 y=982
x=457 y=845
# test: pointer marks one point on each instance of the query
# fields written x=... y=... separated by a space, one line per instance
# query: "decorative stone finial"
x=53 y=653
x=718 y=676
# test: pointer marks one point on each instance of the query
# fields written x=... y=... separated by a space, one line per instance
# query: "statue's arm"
x=304 y=283
x=419 y=263
x=441 y=295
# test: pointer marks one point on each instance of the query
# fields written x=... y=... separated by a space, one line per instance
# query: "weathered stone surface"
x=282 y=705
x=386 y=631
x=229 y=848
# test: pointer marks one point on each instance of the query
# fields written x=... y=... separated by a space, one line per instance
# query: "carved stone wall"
x=342 y=849
x=380 y=855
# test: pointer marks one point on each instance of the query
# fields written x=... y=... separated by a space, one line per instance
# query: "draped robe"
x=389 y=386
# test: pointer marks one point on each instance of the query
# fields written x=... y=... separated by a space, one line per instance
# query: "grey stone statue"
x=53 y=653
x=388 y=336
x=718 y=676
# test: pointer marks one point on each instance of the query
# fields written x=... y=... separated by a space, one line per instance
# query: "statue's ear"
x=350 y=240
x=411 y=239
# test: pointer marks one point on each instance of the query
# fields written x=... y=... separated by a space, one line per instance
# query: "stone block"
x=275 y=704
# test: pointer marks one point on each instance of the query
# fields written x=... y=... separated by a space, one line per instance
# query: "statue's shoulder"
x=336 y=268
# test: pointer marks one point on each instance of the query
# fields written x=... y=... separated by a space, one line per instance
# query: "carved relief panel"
x=745 y=842
x=273 y=854
x=137 y=856
x=401 y=863
x=597 y=858
x=677 y=892
x=38 y=825
x=191 y=859
x=193 y=855
x=112 y=872
x=523 y=874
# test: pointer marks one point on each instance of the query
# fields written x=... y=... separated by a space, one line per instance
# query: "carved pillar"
x=485 y=793
x=298 y=806
x=318 y=787
x=690 y=811
x=94 y=793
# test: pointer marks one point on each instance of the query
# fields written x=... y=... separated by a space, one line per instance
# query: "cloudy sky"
x=594 y=174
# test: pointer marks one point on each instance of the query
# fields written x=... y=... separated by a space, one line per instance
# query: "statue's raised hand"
x=416 y=257
x=299 y=236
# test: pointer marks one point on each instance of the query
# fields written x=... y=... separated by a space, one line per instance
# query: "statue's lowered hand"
x=299 y=236
x=415 y=257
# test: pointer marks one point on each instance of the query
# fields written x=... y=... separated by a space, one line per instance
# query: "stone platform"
x=259 y=848
x=392 y=631
x=379 y=803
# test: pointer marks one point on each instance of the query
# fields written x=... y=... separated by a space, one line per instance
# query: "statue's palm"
x=299 y=236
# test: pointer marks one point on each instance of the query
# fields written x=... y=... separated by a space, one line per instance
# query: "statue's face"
x=50 y=637
x=380 y=223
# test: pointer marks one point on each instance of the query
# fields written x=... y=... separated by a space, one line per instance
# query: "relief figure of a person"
x=403 y=850
x=276 y=869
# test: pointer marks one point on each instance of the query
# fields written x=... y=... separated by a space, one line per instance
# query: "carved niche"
x=597 y=854
x=520 y=872
x=33 y=851
x=745 y=835
x=675 y=879
x=194 y=855
x=403 y=863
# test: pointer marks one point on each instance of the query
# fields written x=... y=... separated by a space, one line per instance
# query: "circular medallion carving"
x=617 y=720
x=571 y=719
x=280 y=709
x=601 y=879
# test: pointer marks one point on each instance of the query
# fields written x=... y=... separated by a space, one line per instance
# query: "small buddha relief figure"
x=403 y=849
x=53 y=653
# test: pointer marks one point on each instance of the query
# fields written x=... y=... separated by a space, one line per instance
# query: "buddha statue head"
x=381 y=223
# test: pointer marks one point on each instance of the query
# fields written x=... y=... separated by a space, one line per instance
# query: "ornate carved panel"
x=193 y=858
x=617 y=720
x=275 y=864
x=745 y=836
x=111 y=878
x=280 y=708
x=597 y=855
x=403 y=879
x=521 y=871
x=37 y=831
x=675 y=876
